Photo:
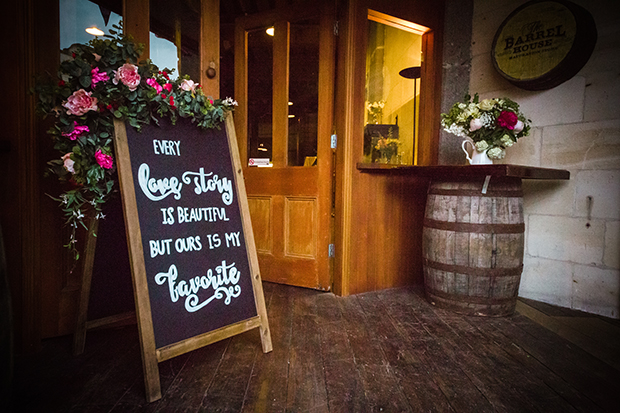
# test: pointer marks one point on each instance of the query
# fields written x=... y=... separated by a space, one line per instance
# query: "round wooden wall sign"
x=543 y=43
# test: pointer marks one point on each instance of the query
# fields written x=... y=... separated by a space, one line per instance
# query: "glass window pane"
x=174 y=40
x=78 y=15
x=260 y=94
x=393 y=62
x=303 y=93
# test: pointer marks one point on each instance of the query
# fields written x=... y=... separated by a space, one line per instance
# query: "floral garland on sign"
x=103 y=81
x=492 y=124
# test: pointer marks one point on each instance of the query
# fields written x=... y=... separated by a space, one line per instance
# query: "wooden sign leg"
x=265 y=333
x=150 y=368
x=79 y=337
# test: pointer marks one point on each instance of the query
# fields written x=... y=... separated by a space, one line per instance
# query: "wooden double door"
x=284 y=82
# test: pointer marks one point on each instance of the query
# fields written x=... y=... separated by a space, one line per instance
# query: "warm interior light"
x=270 y=31
x=291 y=116
x=94 y=31
x=290 y=103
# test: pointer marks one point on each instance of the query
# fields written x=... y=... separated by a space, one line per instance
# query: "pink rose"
x=68 y=162
x=518 y=127
x=98 y=77
x=507 y=120
x=128 y=75
x=105 y=161
x=77 y=131
x=153 y=83
x=80 y=102
x=188 y=85
x=475 y=124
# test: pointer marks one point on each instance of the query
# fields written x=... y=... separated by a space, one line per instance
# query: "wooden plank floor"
x=386 y=351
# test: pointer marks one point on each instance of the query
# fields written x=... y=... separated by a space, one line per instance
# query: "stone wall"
x=570 y=260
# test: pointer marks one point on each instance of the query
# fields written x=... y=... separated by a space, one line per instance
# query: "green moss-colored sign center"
x=535 y=40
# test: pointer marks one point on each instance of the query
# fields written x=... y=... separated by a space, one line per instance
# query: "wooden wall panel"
x=387 y=235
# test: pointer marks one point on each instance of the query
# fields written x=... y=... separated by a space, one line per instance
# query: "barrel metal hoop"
x=475 y=228
x=475 y=192
x=475 y=271
x=469 y=299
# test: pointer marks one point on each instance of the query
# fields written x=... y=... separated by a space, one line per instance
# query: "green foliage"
x=83 y=136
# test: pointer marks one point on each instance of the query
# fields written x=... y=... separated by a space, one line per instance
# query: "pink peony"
x=68 y=162
x=77 y=131
x=97 y=77
x=105 y=161
x=80 y=102
x=153 y=83
x=507 y=120
x=128 y=75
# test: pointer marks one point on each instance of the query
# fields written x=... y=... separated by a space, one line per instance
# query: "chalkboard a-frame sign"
x=191 y=247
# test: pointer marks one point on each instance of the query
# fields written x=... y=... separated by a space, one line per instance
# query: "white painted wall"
x=576 y=126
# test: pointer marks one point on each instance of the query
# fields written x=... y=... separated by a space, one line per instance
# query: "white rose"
x=475 y=124
x=487 y=104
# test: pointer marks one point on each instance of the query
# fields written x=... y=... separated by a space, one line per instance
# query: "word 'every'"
x=164 y=147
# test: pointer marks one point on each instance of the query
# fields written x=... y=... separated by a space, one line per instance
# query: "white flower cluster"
x=230 y=102
x=456 y=130
x=507 y=141
x=481 y=146
x=496 y=153
x=468 y=111
x=487 y=120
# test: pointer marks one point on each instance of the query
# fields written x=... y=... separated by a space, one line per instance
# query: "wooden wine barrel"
x=473 y=245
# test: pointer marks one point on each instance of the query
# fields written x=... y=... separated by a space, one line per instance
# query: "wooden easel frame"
x=151 y=355
x=83 y=324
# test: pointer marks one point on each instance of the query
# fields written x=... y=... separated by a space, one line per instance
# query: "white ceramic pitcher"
x=476 y=158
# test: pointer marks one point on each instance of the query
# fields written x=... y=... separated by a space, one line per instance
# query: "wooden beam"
x=136 y=22
x=281 y=51
x=210 y=47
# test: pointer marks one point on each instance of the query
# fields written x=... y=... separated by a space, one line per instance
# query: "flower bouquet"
x=492 y=125
x=386 y=147
x=99 y=82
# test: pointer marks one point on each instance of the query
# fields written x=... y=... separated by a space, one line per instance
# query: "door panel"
x=260 y=211
x=300 y=227
x=284 y=86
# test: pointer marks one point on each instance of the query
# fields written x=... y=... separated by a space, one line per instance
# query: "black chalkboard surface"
x=192 y=252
